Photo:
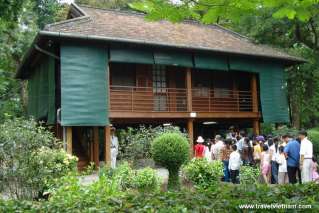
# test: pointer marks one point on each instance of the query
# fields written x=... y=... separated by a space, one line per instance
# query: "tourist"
x=282 y=170
x=292 y=150
x=240 y=141
x=315 y=175
x=306 y=154
x=274 y=153
x=219 y=144
x=234 y=165
x=225 y=154
x=208 y=153
x=232 y=133
x=247 y=152
x=114 y=147
x=265 y=163
x=200 y=148
x=257 y=149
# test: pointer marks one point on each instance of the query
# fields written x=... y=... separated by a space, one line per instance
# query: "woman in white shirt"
x=282 y=171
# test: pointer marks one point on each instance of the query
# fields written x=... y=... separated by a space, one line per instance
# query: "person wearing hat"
x=306 y=153
x=114 y=147
x=200 y=148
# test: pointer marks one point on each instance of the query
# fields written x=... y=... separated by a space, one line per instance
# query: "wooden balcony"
x=128 y=101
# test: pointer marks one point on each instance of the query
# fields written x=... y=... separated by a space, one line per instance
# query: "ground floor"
x=93 y=144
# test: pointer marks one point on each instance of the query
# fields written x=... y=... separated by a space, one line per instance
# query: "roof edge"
x=294 y=59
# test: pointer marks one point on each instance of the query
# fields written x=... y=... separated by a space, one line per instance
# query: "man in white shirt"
x=114 y=148
x=306 y=152
x=219 y=144
x=234 y=165
x=240 y=142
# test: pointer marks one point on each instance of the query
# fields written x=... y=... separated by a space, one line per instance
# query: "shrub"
x=30 y=158
x=146 y=180
x=135 y=143
x=221 y=198
x=249 y=175
x=124 y=174
x=203 y=173
x=171 y=150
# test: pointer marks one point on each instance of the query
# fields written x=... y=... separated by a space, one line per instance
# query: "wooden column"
x=69 y=140
x=96 y=151
x=254 y=93
x=190 y=130
x=255 y=108
x=189 y=88
x=107 y=140
x=256 y=127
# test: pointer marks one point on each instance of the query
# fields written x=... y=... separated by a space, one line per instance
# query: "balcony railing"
x=148 y=99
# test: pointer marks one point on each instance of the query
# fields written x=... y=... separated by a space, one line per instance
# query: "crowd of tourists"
x=281 y=159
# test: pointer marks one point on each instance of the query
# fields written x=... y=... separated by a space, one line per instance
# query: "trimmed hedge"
x=225 y=198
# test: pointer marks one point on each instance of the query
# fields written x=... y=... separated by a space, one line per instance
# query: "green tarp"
x=173 y=58
x=210 y=62
x=273 y=97
x=41 y=91
x=84 y=86
x=125 y=55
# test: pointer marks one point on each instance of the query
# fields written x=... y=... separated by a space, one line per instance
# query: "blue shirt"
x=293 y=151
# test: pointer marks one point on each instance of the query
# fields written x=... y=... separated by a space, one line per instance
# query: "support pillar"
x=69 y=140
x=96 y=150
x=190 y=130
x=256 y=127
x=107 y=141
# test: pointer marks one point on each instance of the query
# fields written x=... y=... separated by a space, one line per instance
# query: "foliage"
x=203 y=173
x=171 y=150
x=314 y=138
x=146 y=180
x=222 y=198
x=142 y=180
x=30 y=158
x=135 y=143
x=249 y=175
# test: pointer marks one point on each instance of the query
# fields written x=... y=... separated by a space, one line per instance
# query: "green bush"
x=31 y=159
x=146 y=180
x=203 y=173
x=103 y=197
x=135 y=143
x=171 y=150
x=249 y=175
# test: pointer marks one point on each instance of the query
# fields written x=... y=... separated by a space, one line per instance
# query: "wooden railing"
x=148 y=99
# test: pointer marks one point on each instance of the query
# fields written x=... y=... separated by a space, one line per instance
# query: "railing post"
x=132 y=99
x=189 y=88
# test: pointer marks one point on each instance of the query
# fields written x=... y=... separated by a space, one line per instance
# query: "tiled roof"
x=119 y=25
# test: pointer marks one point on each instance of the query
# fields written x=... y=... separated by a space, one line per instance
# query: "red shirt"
x=199 y=150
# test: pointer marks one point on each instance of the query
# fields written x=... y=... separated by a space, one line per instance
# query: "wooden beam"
x=189 y=88
x=190 y=130
x=256 y=127
x=96 y=144
x=107 y=141
x=254 y=91
x=69 y=140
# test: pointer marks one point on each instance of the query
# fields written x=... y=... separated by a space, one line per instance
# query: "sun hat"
x=260 y=138
x=200 y=139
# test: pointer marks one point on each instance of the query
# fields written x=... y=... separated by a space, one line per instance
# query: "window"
x=223 y=85
x=122 y=74
x=159 y=88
